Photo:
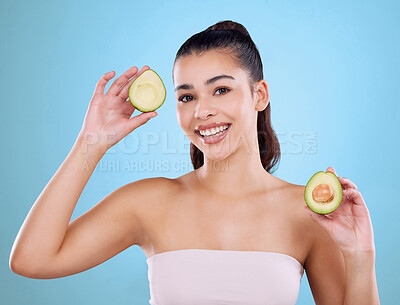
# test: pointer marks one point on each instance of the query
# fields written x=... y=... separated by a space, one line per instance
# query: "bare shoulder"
x=315 y=231
x=155 y=186
x=146 y=200
x=108 y=228
x=324 y=263
x=310 y=230
x=147 y=194
x=305 y=227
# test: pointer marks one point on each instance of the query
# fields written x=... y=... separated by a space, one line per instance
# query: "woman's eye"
x=182 y=97
x=223 y=88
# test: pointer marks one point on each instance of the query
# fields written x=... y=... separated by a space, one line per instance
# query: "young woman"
x=228 y=232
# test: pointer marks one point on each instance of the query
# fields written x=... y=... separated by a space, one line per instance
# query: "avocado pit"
x=322 y=193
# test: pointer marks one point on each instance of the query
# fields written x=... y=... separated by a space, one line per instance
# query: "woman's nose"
x=204 y=109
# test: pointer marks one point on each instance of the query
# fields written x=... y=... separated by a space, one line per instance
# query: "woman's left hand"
x=350 y=224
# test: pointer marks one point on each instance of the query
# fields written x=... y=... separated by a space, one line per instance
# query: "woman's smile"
x=215 y=135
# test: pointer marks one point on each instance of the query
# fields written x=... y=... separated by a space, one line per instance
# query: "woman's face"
x=210 y=88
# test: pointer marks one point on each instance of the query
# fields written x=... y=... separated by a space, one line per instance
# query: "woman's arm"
x=44 y=228
x=350 y=228
x=325 y=268
x=361 y=286
x=107 y=121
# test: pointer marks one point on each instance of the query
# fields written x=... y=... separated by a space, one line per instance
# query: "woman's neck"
x=240 y=174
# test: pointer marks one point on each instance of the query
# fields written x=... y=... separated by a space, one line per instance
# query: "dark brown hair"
x=233 y=38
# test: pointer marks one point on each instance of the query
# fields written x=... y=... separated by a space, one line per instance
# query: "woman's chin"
x=216 y=151
x=216 y=155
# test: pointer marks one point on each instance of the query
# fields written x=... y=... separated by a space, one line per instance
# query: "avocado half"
x=323 y=193
x=147 y=92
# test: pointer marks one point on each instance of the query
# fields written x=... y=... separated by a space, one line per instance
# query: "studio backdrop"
x=332 y=70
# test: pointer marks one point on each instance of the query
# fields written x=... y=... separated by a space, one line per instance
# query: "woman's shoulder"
x=148 y=196
x=296 y=202
x=294 y=193
x=148 y=192
x=156 y=186
x=306 y=230
x=305 y=224
x=153 y=184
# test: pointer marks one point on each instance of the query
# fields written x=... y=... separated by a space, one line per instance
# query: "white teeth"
x=213 y=131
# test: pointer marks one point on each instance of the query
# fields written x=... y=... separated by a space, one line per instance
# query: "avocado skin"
x=137 y=106
x=336 y=186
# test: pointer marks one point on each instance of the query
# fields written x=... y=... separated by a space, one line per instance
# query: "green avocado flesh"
x=323 y=193
x=147 y=92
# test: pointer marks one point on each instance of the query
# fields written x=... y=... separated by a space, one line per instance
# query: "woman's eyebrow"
x=207 y=82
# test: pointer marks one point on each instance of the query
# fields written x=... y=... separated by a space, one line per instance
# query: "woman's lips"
x=214 y=139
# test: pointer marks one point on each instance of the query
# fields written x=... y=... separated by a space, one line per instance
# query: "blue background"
x=331 y=67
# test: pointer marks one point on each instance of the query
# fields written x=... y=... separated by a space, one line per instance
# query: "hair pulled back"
x=233 y=39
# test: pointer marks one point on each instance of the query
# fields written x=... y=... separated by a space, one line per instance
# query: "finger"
x=124 y=93
x=139 y=120
x=101 y=84
x=347 y=183
x=331 y=169
x=354 y=195
x=120 y=81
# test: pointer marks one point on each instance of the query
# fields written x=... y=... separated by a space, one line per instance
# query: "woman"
x=228 y=232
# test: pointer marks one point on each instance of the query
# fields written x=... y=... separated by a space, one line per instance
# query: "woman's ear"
x=262 y=96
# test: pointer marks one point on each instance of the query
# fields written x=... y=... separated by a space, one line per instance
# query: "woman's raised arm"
x=43 y=232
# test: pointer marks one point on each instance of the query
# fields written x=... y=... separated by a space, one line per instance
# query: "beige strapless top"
x=222 y=277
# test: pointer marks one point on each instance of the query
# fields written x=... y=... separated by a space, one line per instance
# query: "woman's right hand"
x=107 y=119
